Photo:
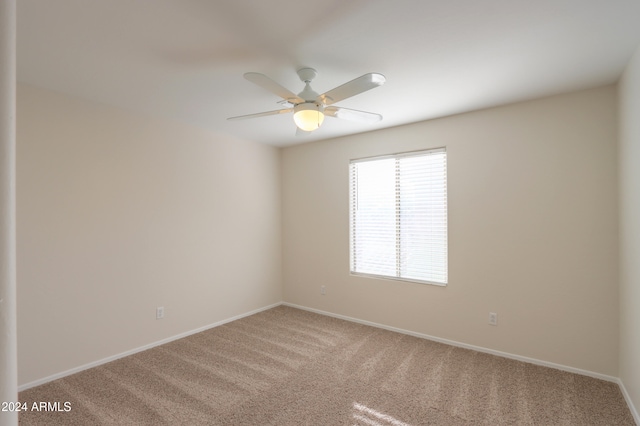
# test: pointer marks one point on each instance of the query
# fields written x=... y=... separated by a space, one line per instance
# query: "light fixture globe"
x=308 y=116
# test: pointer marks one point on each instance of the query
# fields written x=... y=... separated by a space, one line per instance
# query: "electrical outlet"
x=323 y=290
x=493 y=318
x=160 y=312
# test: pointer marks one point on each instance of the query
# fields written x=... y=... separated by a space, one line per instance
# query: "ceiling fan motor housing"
x=308 y=94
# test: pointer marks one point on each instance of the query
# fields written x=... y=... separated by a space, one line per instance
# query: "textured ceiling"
x=184 y=59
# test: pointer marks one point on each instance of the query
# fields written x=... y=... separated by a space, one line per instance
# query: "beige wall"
x=118 y=214
x=629 y=160
x=532 y=231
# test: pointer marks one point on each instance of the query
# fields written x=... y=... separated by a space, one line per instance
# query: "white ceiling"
x=184 y=59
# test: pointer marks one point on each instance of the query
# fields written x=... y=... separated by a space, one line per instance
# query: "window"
x=398 y=216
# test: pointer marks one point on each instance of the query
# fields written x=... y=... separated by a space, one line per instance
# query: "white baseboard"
x=627 y=398
x=140 y=349
x=463 y=345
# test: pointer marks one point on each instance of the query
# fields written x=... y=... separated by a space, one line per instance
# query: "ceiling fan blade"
x=273 y=87
x=352 y=114
x=261 y=114
x=352 y=88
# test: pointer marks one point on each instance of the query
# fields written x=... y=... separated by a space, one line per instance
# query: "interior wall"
x=532 y=230
x=120 y=213
x=8 y=323
x=629 y=160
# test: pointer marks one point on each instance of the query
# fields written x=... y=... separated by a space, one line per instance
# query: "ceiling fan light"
x=308 y=116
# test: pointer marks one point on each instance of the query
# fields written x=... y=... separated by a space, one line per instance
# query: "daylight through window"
x=398 y=216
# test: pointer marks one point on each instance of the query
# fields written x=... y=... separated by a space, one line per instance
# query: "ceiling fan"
x=308 y=107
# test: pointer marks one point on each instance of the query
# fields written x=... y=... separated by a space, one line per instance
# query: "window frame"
x=396 y=156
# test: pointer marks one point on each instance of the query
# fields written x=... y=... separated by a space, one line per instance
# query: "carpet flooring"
x=285 y=366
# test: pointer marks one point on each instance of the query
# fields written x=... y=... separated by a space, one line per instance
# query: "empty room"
x=345 y=212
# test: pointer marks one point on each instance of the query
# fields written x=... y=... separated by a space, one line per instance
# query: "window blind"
x=398 y=216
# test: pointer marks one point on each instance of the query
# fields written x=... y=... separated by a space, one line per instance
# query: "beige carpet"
x=285 y=366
